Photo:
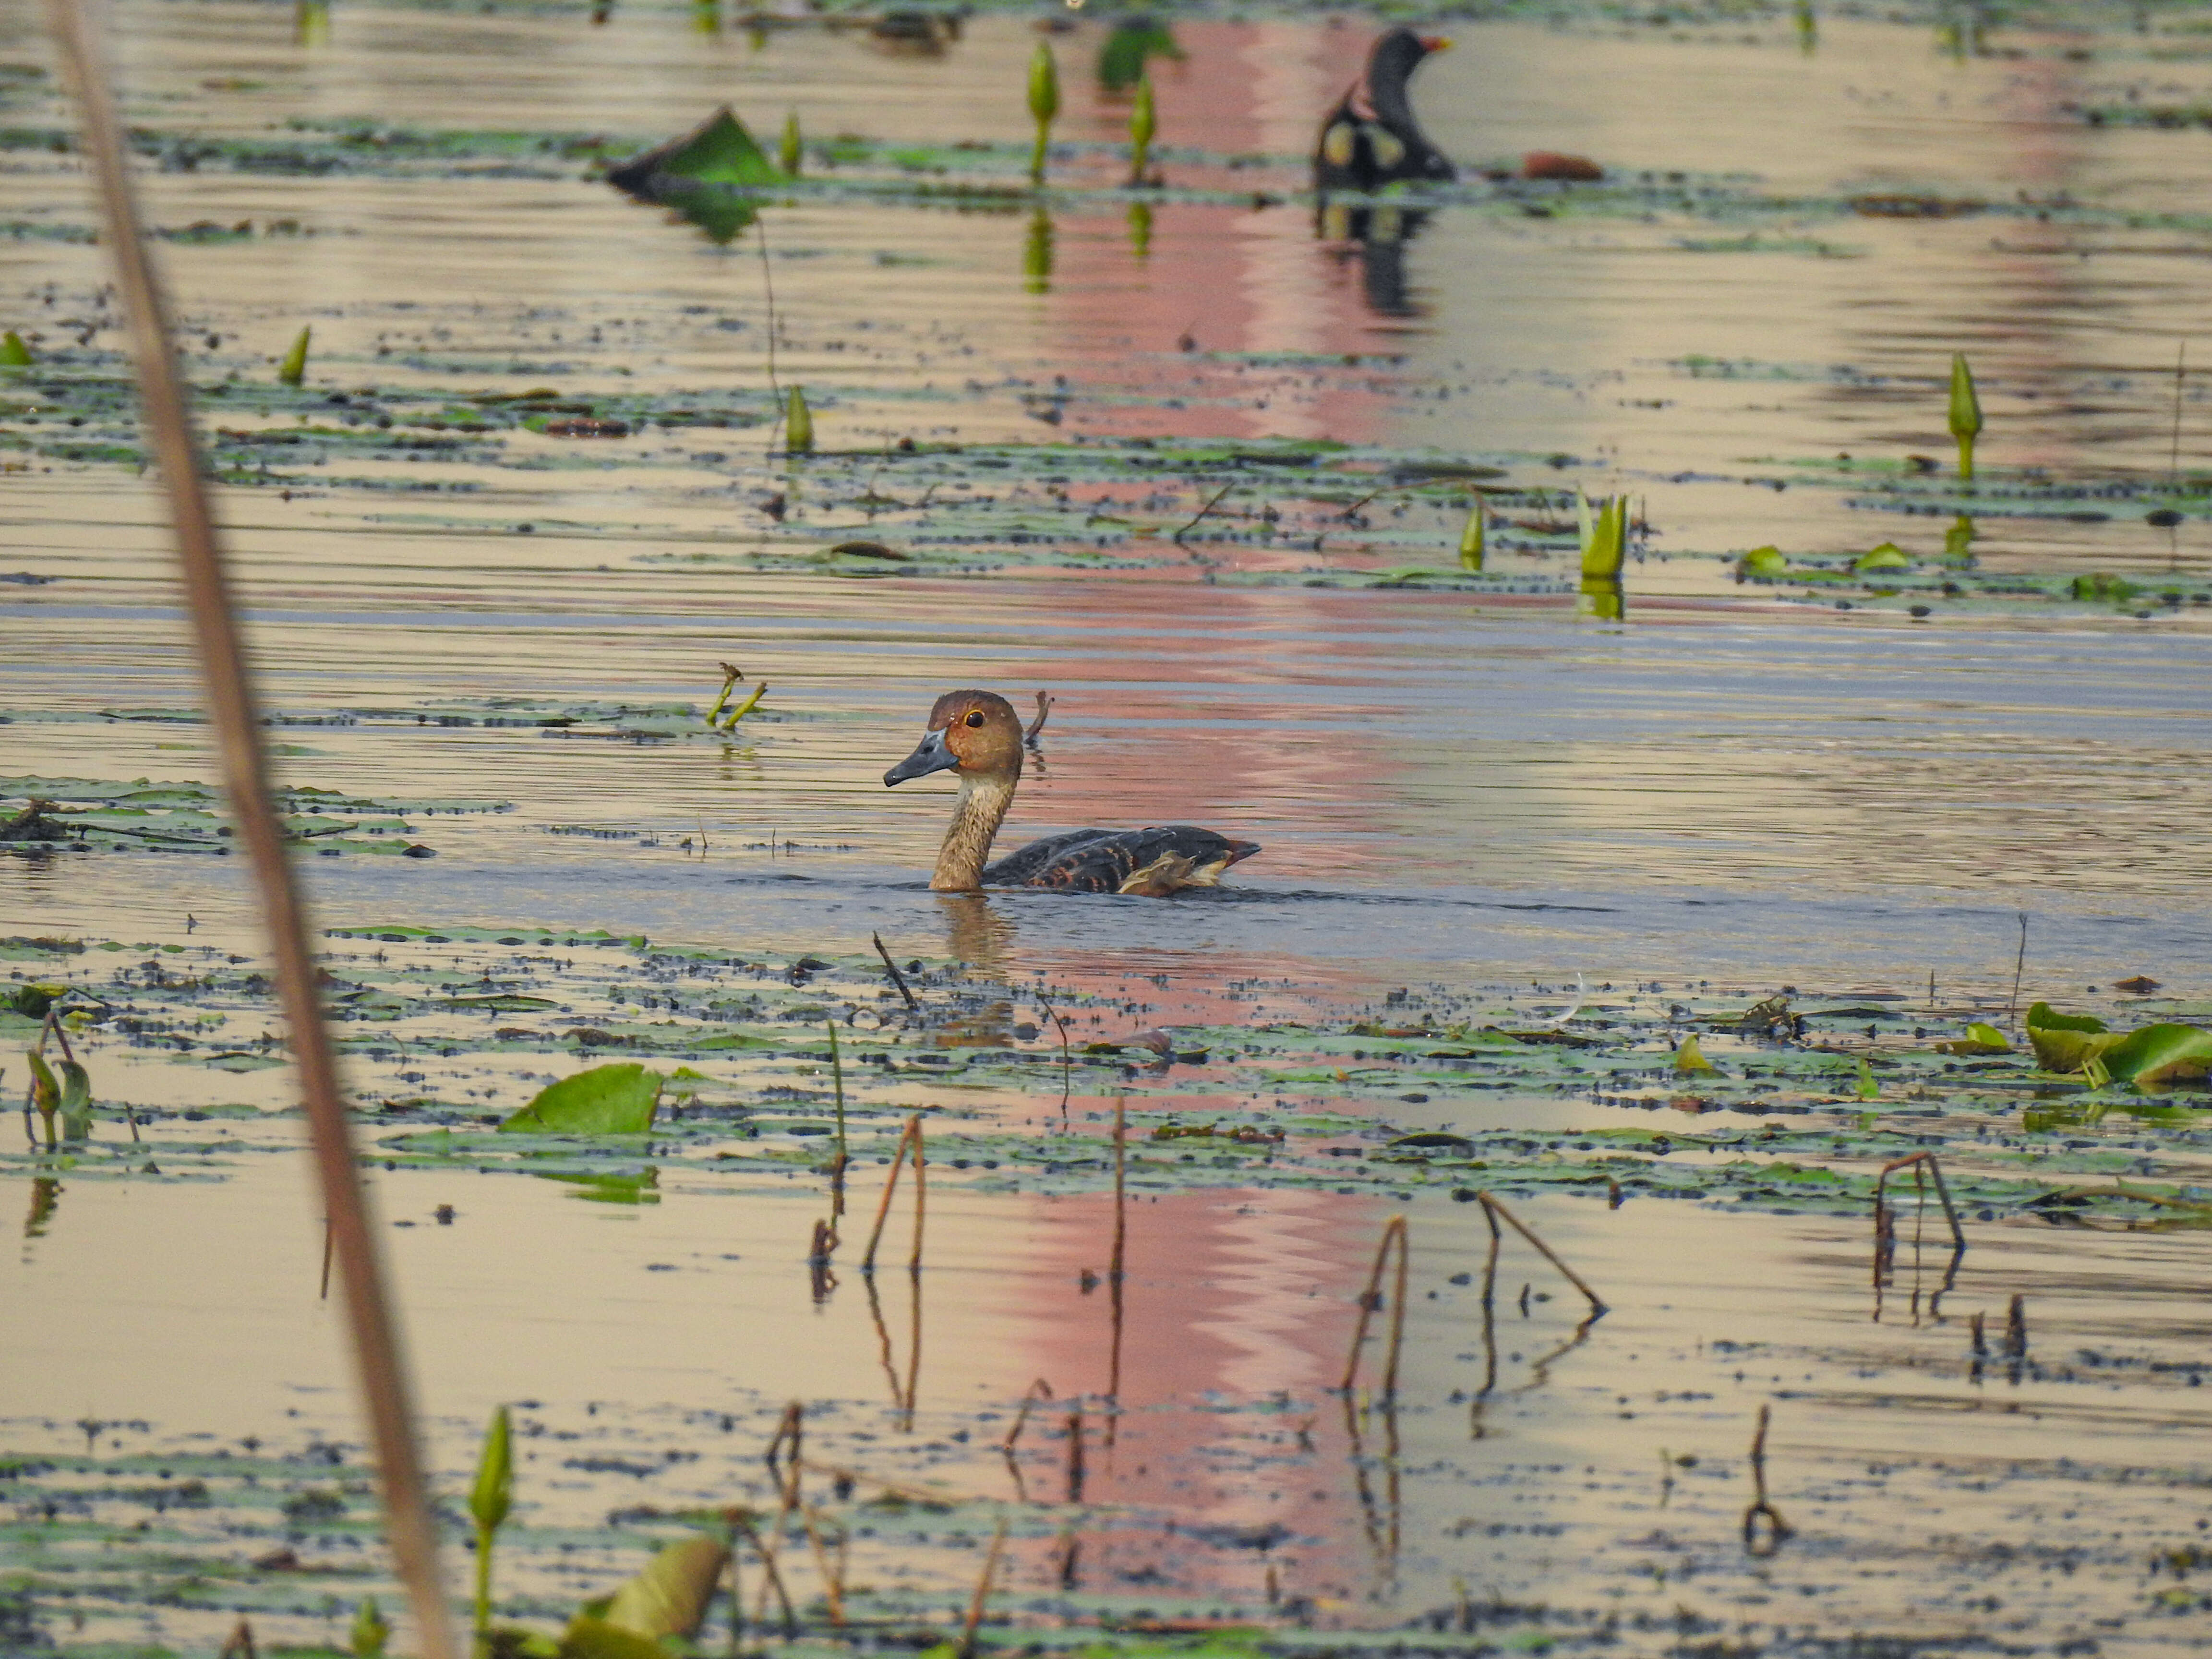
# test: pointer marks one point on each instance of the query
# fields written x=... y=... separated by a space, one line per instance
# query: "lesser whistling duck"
x=977 y=735
x=1371 y=139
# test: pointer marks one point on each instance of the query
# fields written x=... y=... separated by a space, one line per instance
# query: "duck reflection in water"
x=1377 y=237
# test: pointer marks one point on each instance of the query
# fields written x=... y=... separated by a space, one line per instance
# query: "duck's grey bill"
x=930 y=755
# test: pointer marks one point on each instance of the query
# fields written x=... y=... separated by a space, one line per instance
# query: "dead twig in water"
x=1075 y=1456
x=1067 y=1058
x=1120 y=1189
x=1394 y=1233
x=1044 y=710
x=909 y=1143
x=386 y=1396
x=1177 y=537
x=771 y=1580
x=1935 y=1170
x=897 y=978
x=329 y=1238
x=837 y=1171
x=982 y=1590
x=240 y=1642
x=1039 y=1390
x=833 y=1583
x=1755 y=1543
x=2019 y=967
x=1596 y=1301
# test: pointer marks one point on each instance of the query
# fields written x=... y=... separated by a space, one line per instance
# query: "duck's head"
x=974 y=734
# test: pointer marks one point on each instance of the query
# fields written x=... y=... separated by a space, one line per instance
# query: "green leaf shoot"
x=294 y=370
x=1965 y=412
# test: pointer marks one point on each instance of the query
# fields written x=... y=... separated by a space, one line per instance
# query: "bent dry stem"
x=381 y=1372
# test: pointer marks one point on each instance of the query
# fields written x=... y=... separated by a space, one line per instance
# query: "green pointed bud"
x=1474 y=540
x=1965 y=412
x=488 y=1504
x=294 y=369
x=1036 y=253
x=1044 y=104
x=495 y=1487
x=14 y=354
x=1140 y=228
x=1144 y=123
x=370 y=1632
x=797 y=423
x=789 y=154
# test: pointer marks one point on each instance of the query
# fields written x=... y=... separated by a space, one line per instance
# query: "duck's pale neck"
x=976 y=815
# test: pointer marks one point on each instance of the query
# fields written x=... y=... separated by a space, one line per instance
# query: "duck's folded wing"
x=1158 y=860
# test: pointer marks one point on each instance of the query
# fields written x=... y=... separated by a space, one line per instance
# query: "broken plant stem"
x=982 y=1589
x=1120 y=1189
x=385 y=1389
x=897 y=978
x=1597 y=1304
x=1213 y=503
x=1935 y=1170
x=1393 y=1235
x=909 y=1143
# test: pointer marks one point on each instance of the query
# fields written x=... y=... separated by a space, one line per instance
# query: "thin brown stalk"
x=897 y=978
x=982 y=1590
x=1044 y=702
x=240 y=1642
x=771 y=1580
x=1597 y=1302
x=1213 y=503
x=1121 y=1188
x=1075 y=1456
x=909 y=1138
x=382 y=1375
x=1916 y=1161
x=329 y=1238
x=833 y=1583
x=913 y=1347
x=1756 y=1542
x=1394 y=1233
x=1039 y=1389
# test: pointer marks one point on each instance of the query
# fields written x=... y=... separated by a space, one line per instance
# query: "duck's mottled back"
x=1152 y=862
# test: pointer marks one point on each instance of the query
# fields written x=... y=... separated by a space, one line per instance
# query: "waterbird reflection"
x=1376 y=237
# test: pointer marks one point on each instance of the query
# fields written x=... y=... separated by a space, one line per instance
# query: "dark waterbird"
x=977 y=735
x=1371 y=138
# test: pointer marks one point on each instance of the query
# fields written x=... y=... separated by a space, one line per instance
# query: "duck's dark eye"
x=975 y=717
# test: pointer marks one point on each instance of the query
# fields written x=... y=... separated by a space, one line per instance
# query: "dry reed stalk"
x=1915 y=1162
x=1394 y=1233
x=833 y=1583
x=897 y=978
x=790 y=1432
x=1121 y=1188
x=1039 y=1389
x=909 y=1143
x=983 y=1591
x=1778 y=1530
x=78 y=26
x=1597 y=1304
x=771 y=1580
x=1075 y=1469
